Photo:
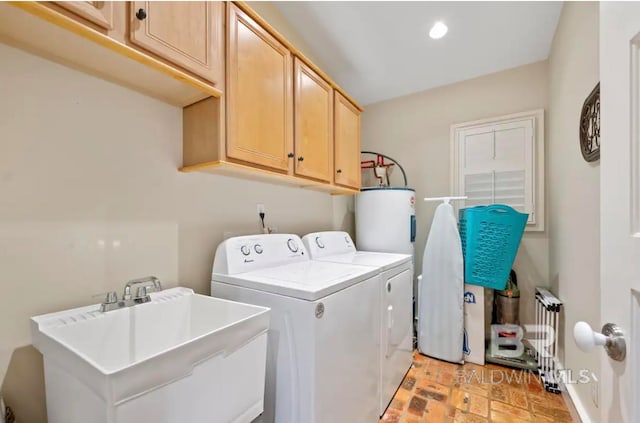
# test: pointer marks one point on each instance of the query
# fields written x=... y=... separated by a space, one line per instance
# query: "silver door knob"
x=611 y=338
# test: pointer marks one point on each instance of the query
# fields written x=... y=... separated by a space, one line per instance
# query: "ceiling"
x=381 y=50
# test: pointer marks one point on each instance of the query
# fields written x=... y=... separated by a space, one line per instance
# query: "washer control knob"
x=258 y=248
x=319 y=242
x=245 y=250
x=293 y=246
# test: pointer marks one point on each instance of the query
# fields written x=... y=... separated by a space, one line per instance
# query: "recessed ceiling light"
x=438 y=30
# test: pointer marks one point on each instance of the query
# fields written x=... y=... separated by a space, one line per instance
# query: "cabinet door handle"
x=290 y=155
x=339 y=171
x=300 y=158
x=141 y=14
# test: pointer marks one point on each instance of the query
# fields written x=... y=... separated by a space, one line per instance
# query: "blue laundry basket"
x=490 y=238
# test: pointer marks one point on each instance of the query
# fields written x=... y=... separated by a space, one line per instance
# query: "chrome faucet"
x=146 y=286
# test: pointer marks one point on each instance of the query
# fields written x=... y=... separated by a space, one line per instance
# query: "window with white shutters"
x=500 y=161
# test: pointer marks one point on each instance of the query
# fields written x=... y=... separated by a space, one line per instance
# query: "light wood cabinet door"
x=313 y=123
x=259 y=95
x=97 y=12
x=347 y=143
x=186 y=33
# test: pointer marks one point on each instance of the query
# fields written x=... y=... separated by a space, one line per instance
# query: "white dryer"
x=396 y=309
x=322 y=360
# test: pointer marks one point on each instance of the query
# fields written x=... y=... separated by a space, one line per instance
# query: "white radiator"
x=548 y=315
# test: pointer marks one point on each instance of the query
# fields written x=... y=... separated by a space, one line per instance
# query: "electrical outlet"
x=260 y=208
x=594 y=389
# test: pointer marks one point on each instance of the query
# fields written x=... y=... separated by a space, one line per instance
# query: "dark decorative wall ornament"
x=590 y=126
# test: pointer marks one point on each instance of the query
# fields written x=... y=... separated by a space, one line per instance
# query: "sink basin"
x=182 y=357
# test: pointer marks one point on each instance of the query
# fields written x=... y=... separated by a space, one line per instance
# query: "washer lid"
x=382 y=261
x=309 y=280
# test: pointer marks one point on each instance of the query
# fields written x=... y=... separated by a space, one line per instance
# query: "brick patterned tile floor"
x=436 y=392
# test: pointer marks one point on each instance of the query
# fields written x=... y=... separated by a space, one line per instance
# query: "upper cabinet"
x=286 y=121
x=98 y=12
x=259 y=95
x=313 y=123
x=347 y=143
x=253 y=105
x=172 y=51
x=186 y=33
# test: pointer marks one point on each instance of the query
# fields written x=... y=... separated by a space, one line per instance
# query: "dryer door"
x=397 y=333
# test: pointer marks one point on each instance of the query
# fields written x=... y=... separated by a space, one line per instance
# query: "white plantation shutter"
x=496 y=164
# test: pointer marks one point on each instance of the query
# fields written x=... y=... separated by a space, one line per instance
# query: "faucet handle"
x=127 y=293
x=157 y=285
x=142 y=292
x=110 y=302
x=109 y=297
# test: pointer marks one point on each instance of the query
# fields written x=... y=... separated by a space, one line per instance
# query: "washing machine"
x=396 y=313
x=322 y=359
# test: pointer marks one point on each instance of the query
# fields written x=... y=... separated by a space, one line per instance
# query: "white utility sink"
x=182 y=357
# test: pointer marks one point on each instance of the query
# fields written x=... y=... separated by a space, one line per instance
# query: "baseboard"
x=570 y=396
x=576 y=408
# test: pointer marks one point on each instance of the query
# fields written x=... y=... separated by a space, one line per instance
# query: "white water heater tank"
x=386 y=219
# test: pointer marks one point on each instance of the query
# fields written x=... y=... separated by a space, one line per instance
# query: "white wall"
x=573 y=188
x=415 y=130
x=91 y=196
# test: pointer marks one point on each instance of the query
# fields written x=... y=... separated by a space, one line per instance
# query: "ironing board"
x=441 y=292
